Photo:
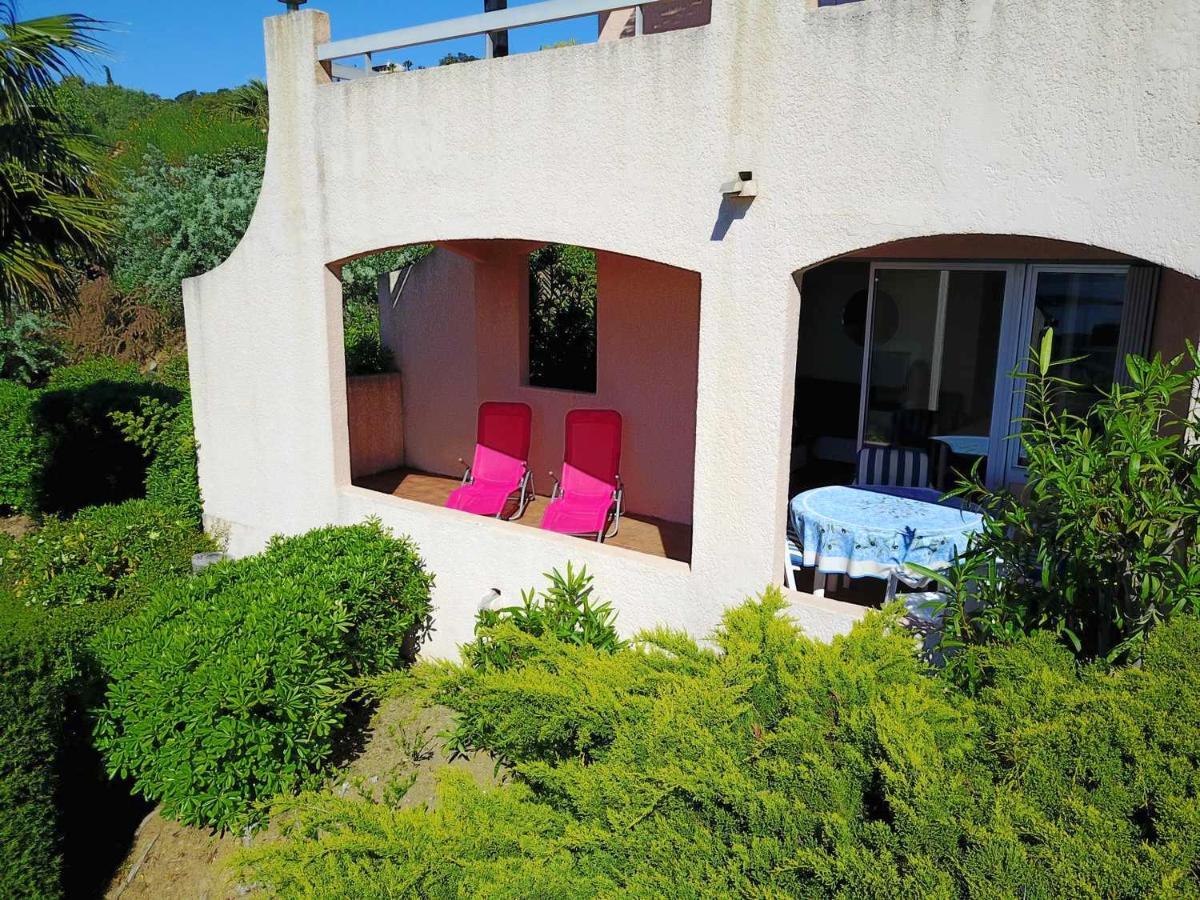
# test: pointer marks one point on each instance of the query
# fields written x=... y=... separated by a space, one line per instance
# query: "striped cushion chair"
x=892 y=467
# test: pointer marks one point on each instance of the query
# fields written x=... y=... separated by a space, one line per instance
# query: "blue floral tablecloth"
x=879 y=532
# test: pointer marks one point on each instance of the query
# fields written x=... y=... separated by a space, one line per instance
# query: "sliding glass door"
x=1091 y=311
x=931 y=364
x=943 y=340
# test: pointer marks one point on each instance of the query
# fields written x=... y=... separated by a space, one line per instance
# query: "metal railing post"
x=493 y=24
x=495 y=43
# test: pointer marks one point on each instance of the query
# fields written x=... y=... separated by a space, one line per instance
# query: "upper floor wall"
x=1073 y=119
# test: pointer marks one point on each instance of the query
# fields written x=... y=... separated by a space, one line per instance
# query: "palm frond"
x=52 y=188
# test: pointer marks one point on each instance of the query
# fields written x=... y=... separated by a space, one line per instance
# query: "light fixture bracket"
x=744 y=186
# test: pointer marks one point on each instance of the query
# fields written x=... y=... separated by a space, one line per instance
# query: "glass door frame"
x=1014 y=472
x=1009 y=339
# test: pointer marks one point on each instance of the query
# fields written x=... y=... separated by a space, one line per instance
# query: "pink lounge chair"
x=500 y=468
x=590 y=493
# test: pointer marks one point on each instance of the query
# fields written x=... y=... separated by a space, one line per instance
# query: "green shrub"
x=99 y=432
x=230 y=688
x=365 y=353
x=180 y=220
x=23 y=450
x=133 y=122
x=58 y=587
x=31 y=722
x=166 y=436
x=101 y=553
x=89 y=461
x=565 y=612
x=29 y=348
x=1104 y=542
x=774 y=766
x=562 y=318
x=51 y=783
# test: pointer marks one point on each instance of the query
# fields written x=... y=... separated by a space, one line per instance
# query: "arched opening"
x=910 y=348
x=555 y=329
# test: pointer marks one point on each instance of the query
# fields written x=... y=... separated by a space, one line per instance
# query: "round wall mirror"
x=854 y=317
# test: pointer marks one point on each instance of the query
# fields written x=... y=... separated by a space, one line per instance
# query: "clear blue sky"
x=171 y=46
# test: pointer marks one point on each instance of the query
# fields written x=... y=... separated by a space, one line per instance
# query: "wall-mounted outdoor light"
x=743 y=186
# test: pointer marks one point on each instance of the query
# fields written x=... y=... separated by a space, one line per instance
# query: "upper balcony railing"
x=488 y=24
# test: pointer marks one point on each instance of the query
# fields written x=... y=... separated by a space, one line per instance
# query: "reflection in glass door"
x=930 y=368
x=1085 y=305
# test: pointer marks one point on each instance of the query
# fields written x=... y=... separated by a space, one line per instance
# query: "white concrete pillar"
x=271 y=408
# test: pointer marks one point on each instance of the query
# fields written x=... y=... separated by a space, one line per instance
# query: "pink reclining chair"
x=500 y=468
x=590 y=495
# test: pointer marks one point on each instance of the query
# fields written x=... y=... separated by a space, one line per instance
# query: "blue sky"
x=171 y=46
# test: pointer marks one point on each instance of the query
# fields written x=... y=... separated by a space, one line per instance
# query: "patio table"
x=879 y=532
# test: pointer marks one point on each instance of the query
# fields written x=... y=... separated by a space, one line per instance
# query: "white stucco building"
x=966 y=169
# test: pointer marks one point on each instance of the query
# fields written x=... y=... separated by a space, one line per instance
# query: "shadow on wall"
x=732 y=209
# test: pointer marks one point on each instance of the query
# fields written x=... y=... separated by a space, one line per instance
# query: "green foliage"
x=360 y=278
x=107 y=111
x=177 y=220
x=1104 y=543
x=562 y=318
x=778 y=766
x=566 y=612
x=88 y=460
x=23 y=450
x=99 y=432
x=165 y=434
x=31 y=715
x=52 y=209
x=230 y=688
x=28 y=348
x=102 y=553
x=365 y=353
x=134 y=123
x=250 y=103
x=453 y=59
x=58 y=587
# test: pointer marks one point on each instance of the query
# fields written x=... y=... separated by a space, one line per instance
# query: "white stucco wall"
x=863 y=123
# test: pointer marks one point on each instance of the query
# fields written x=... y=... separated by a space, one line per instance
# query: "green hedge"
x=101 y=553
x=23 y=450
x=90 y=462
x=31 y=717
x=166 y=436
x=777 y=766
x=229 y=688
x=99 y=432
x=58 y=587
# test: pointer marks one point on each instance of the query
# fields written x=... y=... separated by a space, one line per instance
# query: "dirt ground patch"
x=169 y=860
x=16 y=526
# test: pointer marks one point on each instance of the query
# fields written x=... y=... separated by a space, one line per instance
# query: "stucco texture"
x=459 y=334
x=863 y=123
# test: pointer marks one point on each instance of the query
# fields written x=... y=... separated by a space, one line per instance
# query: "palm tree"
x=53 y=212
x=250 y=102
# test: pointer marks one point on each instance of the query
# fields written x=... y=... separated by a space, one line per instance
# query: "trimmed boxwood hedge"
x=229 y=688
